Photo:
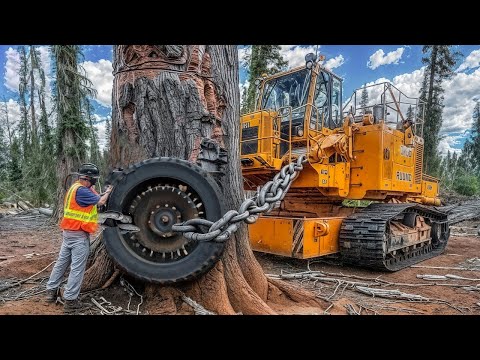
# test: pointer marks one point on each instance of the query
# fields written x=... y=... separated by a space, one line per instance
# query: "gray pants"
x=74 y=252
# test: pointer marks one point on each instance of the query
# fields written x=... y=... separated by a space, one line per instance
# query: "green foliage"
x=470 y=158
x=14 y=165
x=37 y=168
x=264 y=59
x=3 y=155
x=356 y=203
x=467 y=185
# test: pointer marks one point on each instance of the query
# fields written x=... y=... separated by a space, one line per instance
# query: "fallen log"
x=465 y=210
x=22 y=205
x=6 y=257
x=47 y=212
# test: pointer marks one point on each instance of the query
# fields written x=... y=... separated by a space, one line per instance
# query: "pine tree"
x=14 y=166
x=443 y=171
x=6 y=139
x=440 y=61
x=475 y=136
x=22 y=91
x=410 y=113
x=94 y=155
x=5 y=122
x=264 y=59
x=453 y=168
x=108 y=130
x=364 y=99
x=71 y=88
x=45 y=130
x=34 y=66
x=470 y=158
x=243 y=101
x=3 y=154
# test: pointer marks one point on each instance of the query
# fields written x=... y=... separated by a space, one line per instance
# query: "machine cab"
x=315 y=92
x=291 y=108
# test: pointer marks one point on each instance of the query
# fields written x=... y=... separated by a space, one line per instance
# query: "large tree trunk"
x=66 y=162
x=166 y=99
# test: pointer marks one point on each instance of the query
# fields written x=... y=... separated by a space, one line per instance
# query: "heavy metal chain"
x=264 y=201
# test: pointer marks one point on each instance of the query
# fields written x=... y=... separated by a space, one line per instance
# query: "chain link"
x=264 y=201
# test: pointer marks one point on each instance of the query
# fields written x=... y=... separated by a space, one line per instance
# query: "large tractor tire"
x=158 y=193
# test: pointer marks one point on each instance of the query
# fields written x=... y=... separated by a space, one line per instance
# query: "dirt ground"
x=29 y=246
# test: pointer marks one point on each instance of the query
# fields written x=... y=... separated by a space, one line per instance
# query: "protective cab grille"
x=250 y=147
x=418 y=162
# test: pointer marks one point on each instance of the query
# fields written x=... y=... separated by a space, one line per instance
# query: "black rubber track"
x=201 y=258
x=363 y=237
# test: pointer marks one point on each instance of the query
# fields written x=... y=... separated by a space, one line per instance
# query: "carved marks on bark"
x=166 y=96
x=147 y=56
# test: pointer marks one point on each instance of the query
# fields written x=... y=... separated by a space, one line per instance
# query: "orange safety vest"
x=76 y=217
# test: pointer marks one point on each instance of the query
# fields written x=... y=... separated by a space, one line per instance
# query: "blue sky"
x=356 y=64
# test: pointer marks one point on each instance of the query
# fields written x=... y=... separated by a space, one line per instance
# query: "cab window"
x=336 y=104
x=321 y=101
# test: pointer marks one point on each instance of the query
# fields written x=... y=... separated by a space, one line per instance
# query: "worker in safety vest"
x=80 y=219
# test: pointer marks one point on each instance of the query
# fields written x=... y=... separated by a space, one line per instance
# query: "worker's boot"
x=74 y=306
x=52 y=295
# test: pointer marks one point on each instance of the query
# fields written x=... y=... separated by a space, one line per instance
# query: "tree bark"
x=65 y=164
x=166 y=99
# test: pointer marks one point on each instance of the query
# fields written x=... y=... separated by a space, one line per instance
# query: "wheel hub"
x=155 y=211
x=162 y=220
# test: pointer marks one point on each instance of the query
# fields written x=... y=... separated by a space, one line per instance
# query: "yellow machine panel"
x=296 y=237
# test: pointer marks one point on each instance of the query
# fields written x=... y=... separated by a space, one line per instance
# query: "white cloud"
x=410 y=83
x=295 y=54
x=12 y=78
x=461 y=93
x=101 y=135
x=13 y=115
x=447 y=144
x=12 y=65
x=378 y=58
x=100 y=74
x=472 y=61
x=242 y=55
x=335 y=62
